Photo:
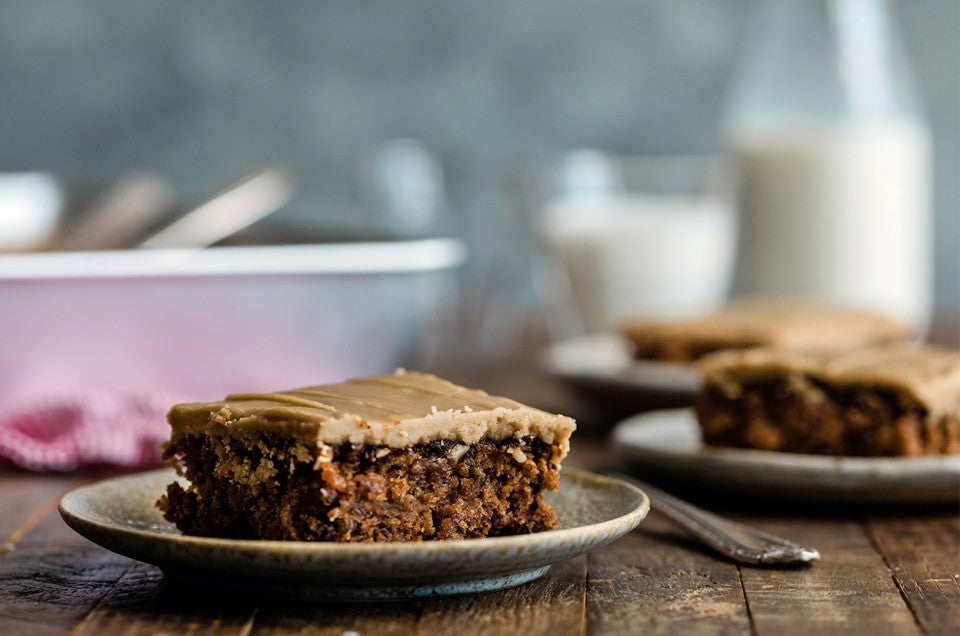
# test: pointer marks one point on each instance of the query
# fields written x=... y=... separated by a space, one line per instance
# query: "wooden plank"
x=140 y=603
x=849 y=591
x=25 y=499
x=337 y=619
x=551 y=605
x=52 y=578
x=923 y=552
x=657 y=581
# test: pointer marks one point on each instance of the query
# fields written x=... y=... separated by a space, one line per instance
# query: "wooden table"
x=882 y=572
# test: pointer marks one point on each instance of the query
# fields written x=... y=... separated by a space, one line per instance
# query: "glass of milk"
x=833 y=157
x=638 y=237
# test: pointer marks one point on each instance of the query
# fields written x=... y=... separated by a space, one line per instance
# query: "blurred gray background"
x=204 y=91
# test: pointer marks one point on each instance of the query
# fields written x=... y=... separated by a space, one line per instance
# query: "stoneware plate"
x=669 y=443
x=119 y=514
x=602 y=369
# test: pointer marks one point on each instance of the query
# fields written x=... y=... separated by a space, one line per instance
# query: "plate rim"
x=891 y=480
x=630 y=520
x=627 y=373
x=772 y=458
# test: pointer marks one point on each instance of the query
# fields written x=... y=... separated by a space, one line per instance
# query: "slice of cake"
x=403 y=457
x=893 y=400
x=783 y=323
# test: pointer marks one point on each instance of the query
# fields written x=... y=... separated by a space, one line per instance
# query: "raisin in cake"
x=403 y=457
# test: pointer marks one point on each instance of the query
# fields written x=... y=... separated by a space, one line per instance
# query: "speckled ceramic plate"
x=669 y=443
x=119 y=514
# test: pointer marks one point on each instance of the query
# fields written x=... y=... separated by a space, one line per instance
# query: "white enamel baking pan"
x=198 y=324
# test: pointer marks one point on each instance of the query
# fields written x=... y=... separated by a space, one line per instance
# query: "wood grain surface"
x=880 y=574
x=850 y=590
x=923 y=554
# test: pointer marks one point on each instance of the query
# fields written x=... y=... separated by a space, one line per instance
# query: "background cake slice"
x=403 y=457
x=893 y=400
x=795 y=324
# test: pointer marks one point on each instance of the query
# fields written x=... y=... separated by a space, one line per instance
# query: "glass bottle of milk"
x=834 y=160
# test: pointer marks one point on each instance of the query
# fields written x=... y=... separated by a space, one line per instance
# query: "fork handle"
x=733 y=540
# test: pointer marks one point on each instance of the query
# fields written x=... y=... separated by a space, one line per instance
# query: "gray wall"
x=204 y=90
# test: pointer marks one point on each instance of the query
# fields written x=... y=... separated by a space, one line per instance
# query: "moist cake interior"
x=265 y=488
x=823 y=420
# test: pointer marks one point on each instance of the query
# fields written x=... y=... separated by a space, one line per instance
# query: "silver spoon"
x=735 y=541
x=233 y=208
x=119 y=215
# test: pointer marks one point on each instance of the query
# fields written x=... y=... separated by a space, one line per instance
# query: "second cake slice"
x=893 y=400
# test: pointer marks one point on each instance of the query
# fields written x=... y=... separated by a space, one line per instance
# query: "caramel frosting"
x=786 y=323
x=925 y=375
x=396 y=410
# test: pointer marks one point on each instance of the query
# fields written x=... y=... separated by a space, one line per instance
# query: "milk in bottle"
x=833 y=160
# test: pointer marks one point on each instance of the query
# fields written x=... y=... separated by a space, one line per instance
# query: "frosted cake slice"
x=785 y=323
x=403 y=457
x=896 y=400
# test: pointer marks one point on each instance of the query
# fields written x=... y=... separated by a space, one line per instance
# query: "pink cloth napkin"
x=84 y=429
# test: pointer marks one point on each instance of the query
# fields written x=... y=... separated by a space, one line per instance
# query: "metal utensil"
x=233 y=208
x=121 y=214
x=733 y=540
